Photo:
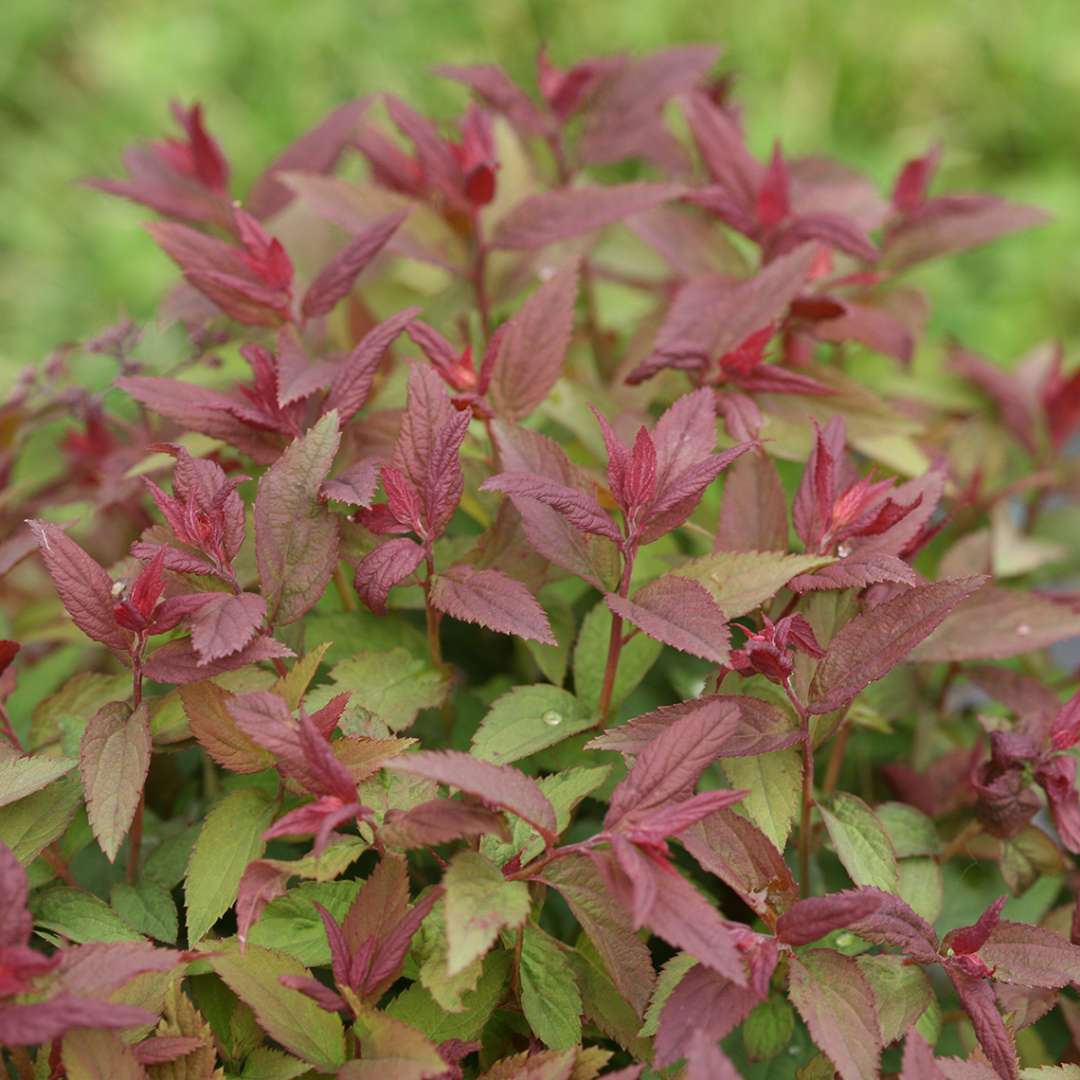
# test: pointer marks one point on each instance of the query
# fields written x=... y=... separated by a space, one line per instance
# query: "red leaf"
x=753 y=514
x=261 y=883
x=680 y=613
x=837 y=1003
x=558 y=215
x=533 y=345
x=919 y=1061
x=226 y=624
x=491 y=599
x=1017 y=406
x=833 y=230
x=977 y=997
x=909 y=192
x=669 y=767
x=84 y=588
x=439 y=821
x=384 y=567
x=706 y=1061
x=15 y=920
x=970 y=939
x=496 y=785
x=351 y=386
x=580 y=510
x=493 y=86
x=721 y=145
x=336 y=279
x=316 y=151
x=874 y=642
x=177 y=662
x=672 y=819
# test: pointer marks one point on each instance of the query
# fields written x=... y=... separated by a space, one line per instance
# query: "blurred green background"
x=869 y=82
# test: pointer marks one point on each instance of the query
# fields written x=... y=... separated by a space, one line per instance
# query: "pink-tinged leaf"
x=494 y=87
x=114 y=757
x=580 y=510
x=1030 y=956
x=754 y=727
x=873 y=327
x=738 y=852
x=669 y=767
x=977 y=997
x=296 y=537
x=351 y=386
x=553 y=216
x=857 y=571
x=265 y=718
x=706 y=1061
x=317 y=819
x=44 y=1021
x=913 y=182
x=533 y=345
x=625 y=120
x=355 y=485
x=178 y=663
x=226 y=624
x=678 y=913
x=703 y=1002
x=213 y=726
x=919 y=1061
x=875 y=641
x=998 y=623
x=970 y=939
x=680 y=613
x=497 y=785
x=492 y=600
x=722 y=147
x=878 y=916
x=261 y=883
x=83 y=586
x=626 y=957
x=389 y=956
x=336 y=279
x=322 y=995
x=384 y=567
x=955 y=223
x=15 y=921
x=837 y=1003
x=753 y=513
x=316 y=151
x=833 y=230
x=438 y=822
x=162 y=1049
x=381 y=903
x=672 y=819
x=438 y=163
x=298 y=376
x=99 y=967
x=1018 y=407
x=428 y=445
x=711 y=316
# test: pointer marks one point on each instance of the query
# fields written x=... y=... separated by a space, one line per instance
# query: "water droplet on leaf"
x=1023 y=630
x=552 y=718
x=843 y=940
x=844 y=550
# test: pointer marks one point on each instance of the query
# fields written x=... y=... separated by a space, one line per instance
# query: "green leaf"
x=909 y=829
x=590 y=657
x=291 y=924
x=64 y=714
x=774 y=781
x=230 y=838
x=671 y=974
x=549 y=995
x=288 y=1017
x=114 y=758
x=32 y=824
x=417 y=1007
x=861 y=842
x=922 y=886
x=741 y=581
x=263 y=1063
x=351 y=632
x=331 y=863
x=527 y=720
x=479 y=903
x=902 y=993
x=168 y=861
x=22 y=776
x=553 y=660
x=79 y=916
x=90 y=1054
x=393 y=685
x=148 y=908
x=604 y=1005
x=768 y=1029
x=296 y=535
x=392 y=1047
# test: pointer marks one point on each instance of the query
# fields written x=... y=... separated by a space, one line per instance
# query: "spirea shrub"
x=531 y=605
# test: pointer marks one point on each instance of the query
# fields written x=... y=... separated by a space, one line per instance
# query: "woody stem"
x=807 y=791
x=615 y=641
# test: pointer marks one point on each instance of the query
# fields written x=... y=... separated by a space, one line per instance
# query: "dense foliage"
x=508 y=621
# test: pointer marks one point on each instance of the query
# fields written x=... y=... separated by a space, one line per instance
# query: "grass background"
x=871 y=83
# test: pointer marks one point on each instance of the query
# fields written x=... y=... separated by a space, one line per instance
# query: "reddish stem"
x=479 y=276
x=135 y=841
x=615 y=641
x=807 y=791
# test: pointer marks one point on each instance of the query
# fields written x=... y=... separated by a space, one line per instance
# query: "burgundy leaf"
x=327 y=999
x=497 y=785
x=833 y=230
x=857 y=571
x=706 y=1061
x=533 y=344
x=336 y=279
x=84 y=587
x=261 y=883
x=753 y=514
x=877 y=640
x=439 y=821
x=491 y=599
x=919 y=1061
x=381 y=903
x=672 y=819
x=970 y=939
x=177 y=662
x=493 y=86
x=558 y=215
x=384 y=567
x=680 y=613
x=100 y=967
x=1030 y=956
x=736 y=172
x=837 y=1003
x=351 y=386
x=355 y=485
x=162 y=1049
x=316 y=151
x=226 y=624
x=390 y=951
x=43 y=1021
x=579 y=509
x=15 y=921
x=977 y=997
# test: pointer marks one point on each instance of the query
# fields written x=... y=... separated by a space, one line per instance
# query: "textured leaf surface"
x=296 y=537
x=861 y=842
x=549 y=995
x=590 y=653
x=479 y=903
x=22 y=776
x=492 y=599
x=529 y=719
x=114 y=758
x=773 y=781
